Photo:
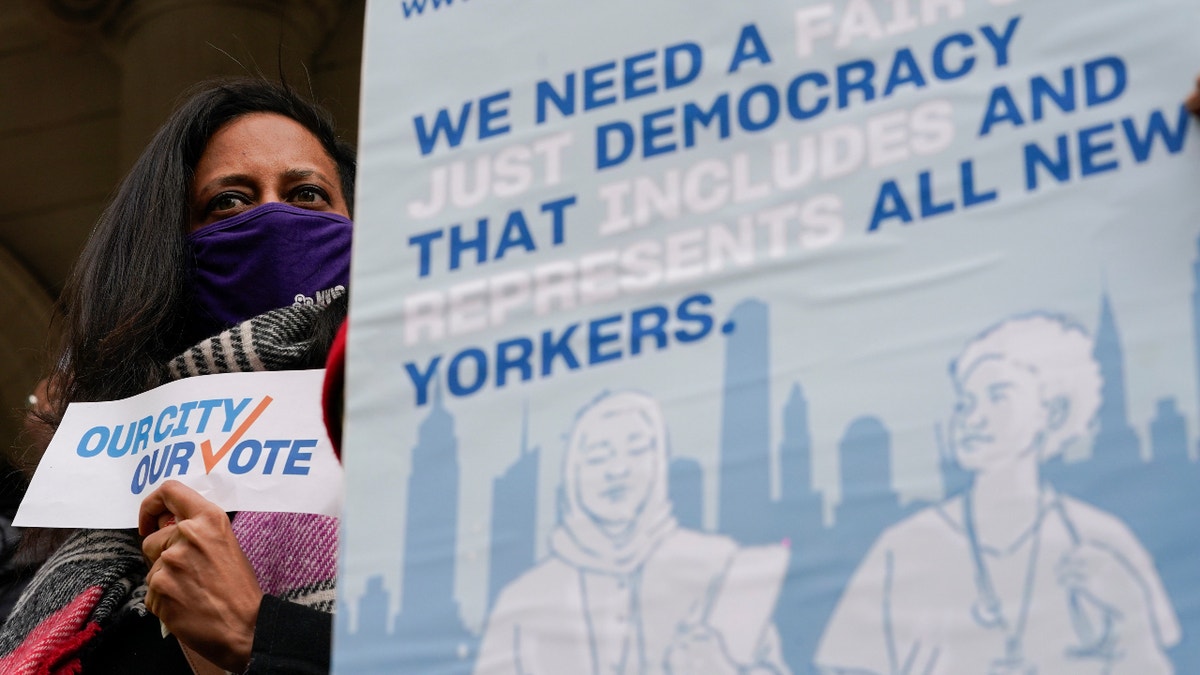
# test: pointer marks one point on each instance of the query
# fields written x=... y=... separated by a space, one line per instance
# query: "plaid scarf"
x=98 y=574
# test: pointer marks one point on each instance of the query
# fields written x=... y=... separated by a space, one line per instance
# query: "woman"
x=625 y=589
x=1010 y=577
x=215 y=255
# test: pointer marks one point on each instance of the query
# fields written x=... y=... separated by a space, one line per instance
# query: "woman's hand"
x=200 y=584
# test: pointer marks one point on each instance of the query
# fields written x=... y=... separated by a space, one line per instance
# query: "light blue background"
x=867 y=326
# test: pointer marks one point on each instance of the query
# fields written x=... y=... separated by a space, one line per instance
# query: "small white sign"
x=245 y=441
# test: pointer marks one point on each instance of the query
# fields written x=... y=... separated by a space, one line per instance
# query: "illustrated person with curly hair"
x=1009 y=577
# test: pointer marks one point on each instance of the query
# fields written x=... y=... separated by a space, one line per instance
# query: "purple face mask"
x=271 y=256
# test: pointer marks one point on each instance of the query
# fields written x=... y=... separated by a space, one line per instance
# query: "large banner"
x=774 y=337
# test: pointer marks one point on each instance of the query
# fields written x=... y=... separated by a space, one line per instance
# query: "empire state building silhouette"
x=429 y=628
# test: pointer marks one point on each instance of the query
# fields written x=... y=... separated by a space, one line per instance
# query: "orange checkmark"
x=210 y=459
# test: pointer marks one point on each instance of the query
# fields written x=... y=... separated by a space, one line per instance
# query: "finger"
x=151 y=599
x=154 y=544
x=155 y=601
x=173 y=498
x=160 y=603
x=169 y=583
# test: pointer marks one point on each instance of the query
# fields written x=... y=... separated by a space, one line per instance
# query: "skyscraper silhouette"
x=1176 y=555
x=429 y=630
x=1116 y=442
x=869 y=502
x=744 y=494
x=514 y=517
x=373 y=609
x=1168 y=434
x=686 y=489
x=804 y=603
x=800 y=506
x=1196 y=312
x=369 y=647
x=1101 y=479
x=823 y=560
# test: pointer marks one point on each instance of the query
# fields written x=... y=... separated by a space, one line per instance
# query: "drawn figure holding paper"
x=625 y=590
x=1009 y=577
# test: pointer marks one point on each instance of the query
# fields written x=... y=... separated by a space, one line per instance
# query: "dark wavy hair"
x=124 y=308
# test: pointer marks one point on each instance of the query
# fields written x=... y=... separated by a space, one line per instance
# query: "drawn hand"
x=1099 y=577
x=200 y=584
x=698 y=650
x=1108 y=605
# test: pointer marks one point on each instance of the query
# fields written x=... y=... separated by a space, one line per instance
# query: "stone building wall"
x=84 y=83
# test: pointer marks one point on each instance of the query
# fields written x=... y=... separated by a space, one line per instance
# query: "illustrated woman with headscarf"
x=625 y=590
x=1008 y=578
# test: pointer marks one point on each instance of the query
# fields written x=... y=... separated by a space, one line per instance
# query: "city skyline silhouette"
x=1116 y=475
